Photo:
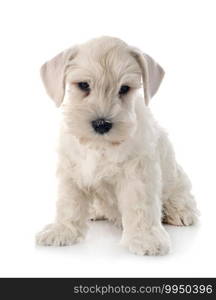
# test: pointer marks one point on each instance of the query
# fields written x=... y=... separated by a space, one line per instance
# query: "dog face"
x=101 y=82
x=101 y=78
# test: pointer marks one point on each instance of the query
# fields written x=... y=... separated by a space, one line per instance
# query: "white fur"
x=129 y=175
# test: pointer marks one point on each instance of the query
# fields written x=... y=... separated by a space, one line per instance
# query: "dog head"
x=101 y=78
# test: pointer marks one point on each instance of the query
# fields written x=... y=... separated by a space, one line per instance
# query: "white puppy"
x=113 y=156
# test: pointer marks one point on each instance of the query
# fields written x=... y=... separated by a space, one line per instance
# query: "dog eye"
x=84 y=86
x=124 y=89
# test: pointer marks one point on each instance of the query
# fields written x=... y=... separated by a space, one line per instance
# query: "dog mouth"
x=116 y=143
x=98 y=143
x=105 y=133
x=100 y=132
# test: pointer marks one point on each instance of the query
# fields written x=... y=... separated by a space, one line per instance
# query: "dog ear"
x=152 y=73
x=53 y=74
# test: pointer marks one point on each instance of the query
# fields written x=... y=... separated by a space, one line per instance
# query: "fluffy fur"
x=128 y=175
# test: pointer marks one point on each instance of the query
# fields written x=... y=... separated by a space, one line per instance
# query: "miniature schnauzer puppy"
x=115 y=161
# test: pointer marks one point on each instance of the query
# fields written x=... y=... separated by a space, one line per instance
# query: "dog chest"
x=94 y=166
x=89 y=167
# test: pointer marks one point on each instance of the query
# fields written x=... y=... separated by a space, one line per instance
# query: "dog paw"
x=155 y=242
x=184 y=217
x=57 y=235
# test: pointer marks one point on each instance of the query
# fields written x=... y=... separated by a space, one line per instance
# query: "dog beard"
x=78 y=123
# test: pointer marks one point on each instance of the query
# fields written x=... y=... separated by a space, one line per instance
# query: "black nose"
x=101 y=126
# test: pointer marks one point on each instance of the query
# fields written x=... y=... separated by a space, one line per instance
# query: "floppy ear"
x=53 y=74
x=152 y=73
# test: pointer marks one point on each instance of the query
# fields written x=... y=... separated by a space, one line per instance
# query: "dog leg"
x=140 y=206
x=71 y=220
x=180 y=208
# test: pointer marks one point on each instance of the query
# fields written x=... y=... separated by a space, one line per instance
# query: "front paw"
x=57 y=235
x=153 y=242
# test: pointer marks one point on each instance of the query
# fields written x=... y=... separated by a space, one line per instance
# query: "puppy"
x=114 y=159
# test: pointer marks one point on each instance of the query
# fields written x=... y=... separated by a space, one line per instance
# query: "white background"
x=178 y=34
